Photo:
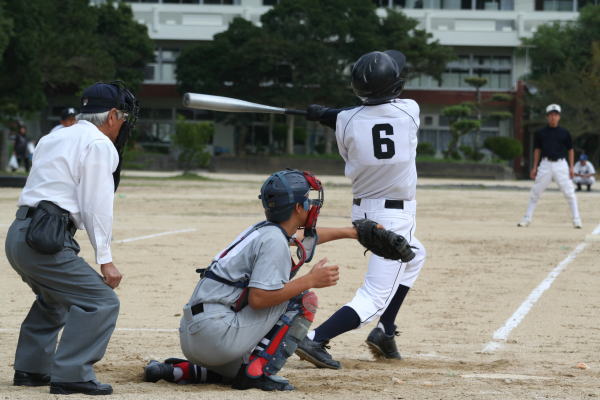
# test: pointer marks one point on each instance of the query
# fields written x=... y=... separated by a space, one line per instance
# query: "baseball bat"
x=229 y=104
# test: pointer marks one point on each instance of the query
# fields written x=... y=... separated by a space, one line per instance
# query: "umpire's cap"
x=377 y=76
x=281 y=192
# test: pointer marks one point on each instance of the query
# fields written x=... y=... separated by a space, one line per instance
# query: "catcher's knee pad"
x=281 y=342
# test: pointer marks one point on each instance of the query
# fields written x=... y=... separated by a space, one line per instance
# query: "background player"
x=67 y=118
x=584 y=173
x=378 y=142
x=247 y=314
x=554 y=147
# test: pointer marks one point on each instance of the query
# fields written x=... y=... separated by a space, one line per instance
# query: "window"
x=496 y=69
x=449 y=4
x=163 y=68
x=563 y=5
x=270 y=2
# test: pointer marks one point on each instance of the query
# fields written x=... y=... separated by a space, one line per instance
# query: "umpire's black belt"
x=398 y=204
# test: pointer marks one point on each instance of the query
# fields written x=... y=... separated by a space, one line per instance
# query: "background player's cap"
x=583 y=157
x=68 y=112
x=100 y=97
x=553 y=108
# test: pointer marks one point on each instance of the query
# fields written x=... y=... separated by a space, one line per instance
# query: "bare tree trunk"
x=271 y=123
x=290 y=134
x=3 y=149
x=328 y=140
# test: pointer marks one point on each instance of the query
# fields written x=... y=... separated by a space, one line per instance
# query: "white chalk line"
x=133 y=239
x=499 y=337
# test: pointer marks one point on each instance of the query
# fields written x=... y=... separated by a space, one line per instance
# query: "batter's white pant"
x=559 y=172
x=584 y=181
x=384 y=276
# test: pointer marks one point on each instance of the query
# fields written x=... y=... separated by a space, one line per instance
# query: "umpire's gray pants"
x=69 y=294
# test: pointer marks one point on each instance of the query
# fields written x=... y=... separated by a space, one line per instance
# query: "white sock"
x=177 y=373
x=311 y=335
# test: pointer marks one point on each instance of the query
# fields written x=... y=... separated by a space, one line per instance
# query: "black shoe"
x=316 y=353
x=155 y=371
x=92 y=388
x=382 y=345
x=266 y=383
x=23 y=378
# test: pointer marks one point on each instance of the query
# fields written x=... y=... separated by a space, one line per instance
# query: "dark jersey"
x=553 y=142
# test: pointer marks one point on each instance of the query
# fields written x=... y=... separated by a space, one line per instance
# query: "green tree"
x=190 y=139
x=302 y=52
x=6 y=29
x=565 y=69
x=461 y=123
x=63 y=49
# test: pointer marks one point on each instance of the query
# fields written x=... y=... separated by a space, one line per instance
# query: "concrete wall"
x=267 y=165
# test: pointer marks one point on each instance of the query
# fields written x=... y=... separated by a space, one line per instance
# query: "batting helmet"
x=377 y=76
x=284 y=189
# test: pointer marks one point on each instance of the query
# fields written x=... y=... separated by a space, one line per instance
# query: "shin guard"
x=281 y=342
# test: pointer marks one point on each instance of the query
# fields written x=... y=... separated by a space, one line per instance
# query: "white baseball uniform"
x=378 y=144
x=586 y=169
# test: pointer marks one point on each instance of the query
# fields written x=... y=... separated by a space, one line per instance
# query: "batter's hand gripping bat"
x=228 y=104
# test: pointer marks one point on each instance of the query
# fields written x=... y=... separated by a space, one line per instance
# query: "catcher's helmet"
x=284 y=189
x=377 y=76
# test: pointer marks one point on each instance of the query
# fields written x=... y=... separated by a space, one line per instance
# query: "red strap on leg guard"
x=257 y=363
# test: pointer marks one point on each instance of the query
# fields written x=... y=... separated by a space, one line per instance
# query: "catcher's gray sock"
x=343 y=320
x=389 y=315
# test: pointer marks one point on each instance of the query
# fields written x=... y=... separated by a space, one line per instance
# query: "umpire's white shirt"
x=73 y=168
x=379 y=145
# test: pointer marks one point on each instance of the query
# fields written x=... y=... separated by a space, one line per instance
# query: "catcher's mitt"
x=382 y=242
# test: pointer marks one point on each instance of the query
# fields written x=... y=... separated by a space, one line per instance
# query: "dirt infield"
x=480 y=269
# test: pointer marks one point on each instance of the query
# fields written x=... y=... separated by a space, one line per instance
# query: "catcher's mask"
x=101 y=97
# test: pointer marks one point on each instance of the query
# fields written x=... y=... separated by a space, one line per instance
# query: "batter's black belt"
x=398 y=204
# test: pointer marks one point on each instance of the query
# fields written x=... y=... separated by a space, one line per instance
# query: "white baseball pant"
x=384 y=276
x=559 y=172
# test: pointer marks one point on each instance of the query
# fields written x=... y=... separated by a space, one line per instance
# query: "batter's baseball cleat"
x=316 y=353
x=382 y=345
x=155 y=371
x=23 y=378
x=524 y=223
x=577 y=224
x=91 y=388
x=267 y=383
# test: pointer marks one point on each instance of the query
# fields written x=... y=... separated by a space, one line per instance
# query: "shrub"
x=191 y=139
x=504 y=147
x=425 y=149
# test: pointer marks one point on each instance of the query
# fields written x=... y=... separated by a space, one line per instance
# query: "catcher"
x=247 y=313
x=378 y=142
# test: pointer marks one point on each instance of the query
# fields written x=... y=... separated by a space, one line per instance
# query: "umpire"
x=71 y=186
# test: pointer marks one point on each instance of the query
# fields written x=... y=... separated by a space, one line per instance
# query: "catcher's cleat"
x=577 y=224
x=267 y=383
x=155 y=371
x=316 y=353
x=382 y=345
x=524 y=223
